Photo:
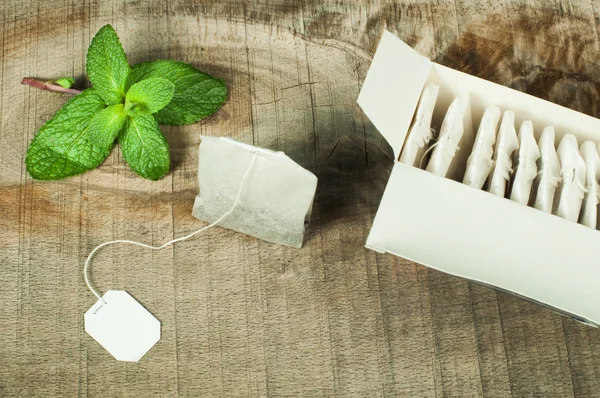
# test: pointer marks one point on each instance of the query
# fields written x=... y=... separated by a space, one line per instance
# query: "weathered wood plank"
x=241 y=317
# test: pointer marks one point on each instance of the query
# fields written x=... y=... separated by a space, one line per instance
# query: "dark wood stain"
x=557 y=67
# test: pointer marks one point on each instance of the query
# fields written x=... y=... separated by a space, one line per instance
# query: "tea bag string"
x=554 y=180
x=426 y=152
x=453 y=147
x=575 y=181
x=131 y=242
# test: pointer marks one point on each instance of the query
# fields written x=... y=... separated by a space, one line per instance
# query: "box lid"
x=392 y=88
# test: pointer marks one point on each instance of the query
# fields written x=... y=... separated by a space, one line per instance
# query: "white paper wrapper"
x=526 y=160
x=572 y=186
x=548 y=172
x=420 y=133
x=506 y=144
x=455 y=142
x=277 y=197
x=589 y=207
x=480 y=162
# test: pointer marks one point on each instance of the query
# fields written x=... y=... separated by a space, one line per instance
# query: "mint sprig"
x=124 y=103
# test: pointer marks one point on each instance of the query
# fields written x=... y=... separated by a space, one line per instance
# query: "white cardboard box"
x=462 y=231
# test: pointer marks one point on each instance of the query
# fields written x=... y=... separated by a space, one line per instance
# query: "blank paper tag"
x=122 y=326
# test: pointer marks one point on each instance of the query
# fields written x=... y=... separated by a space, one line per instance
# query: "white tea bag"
x=276 y=199
x=420 y=133
x=571 y=189
x=449 y=157
x=526 y=159
x=548 y=172
x=480 y=162
x=506 y=144
x=591 y=198
x=251 y=190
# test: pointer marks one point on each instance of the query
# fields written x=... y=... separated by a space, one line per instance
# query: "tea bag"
x=506 y=144
x=526 y=159
x=420 y=133
x=571 y=189
x=480 y=162
x=548 y=172
x=277 y=197
x=591 y=198
x=253 y=190
x=449 y=157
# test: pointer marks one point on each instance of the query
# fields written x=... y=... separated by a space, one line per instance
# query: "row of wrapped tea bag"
x=505 y=162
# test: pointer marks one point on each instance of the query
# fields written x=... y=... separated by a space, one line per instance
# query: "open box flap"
x=392 y=87
x=470 y=233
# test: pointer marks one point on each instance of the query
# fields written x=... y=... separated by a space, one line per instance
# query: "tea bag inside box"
x=420 y=133
x=275 y=201
x=480 y=162
x=506 y=144
x=455 y=142
x=548 y=172
x=526 y=161
x=589 y=207
x=571 y=189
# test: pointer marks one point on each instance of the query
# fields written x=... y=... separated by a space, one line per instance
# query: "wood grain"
x=242 y=317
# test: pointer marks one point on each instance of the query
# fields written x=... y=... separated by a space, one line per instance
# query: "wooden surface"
x=242 y=317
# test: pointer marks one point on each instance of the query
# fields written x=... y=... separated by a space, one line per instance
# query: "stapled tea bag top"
x=420 y=133
x=548 y=172
x=506 y=144
x=449 y=157
x=572 y=188
x=480 y=162
x=526 y=159
x=589 y=208
x=277 y=198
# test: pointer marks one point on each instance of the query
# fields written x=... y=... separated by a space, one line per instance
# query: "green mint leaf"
x=197 y=94
x=107 y=66
x=61 y=148
x=106 y=125
x=145 y=148
x=149 y=96
x=66 y=82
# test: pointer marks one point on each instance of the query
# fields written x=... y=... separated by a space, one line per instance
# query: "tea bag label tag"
x=122 y=326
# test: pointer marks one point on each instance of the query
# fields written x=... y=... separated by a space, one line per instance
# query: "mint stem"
x=42 y=85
